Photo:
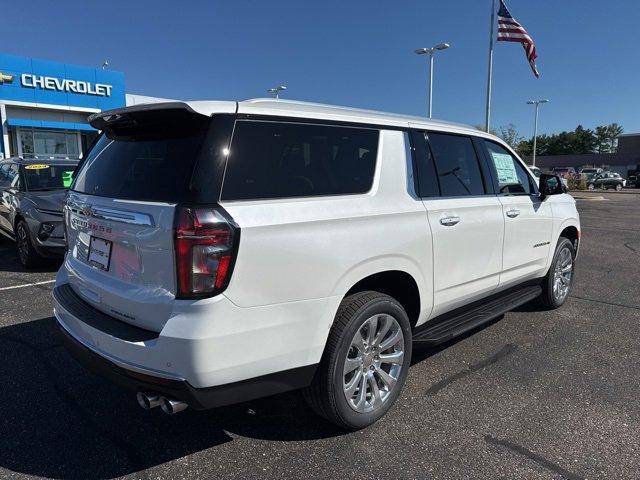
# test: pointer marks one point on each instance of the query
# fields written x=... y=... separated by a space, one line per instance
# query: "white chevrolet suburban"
x=224 y=251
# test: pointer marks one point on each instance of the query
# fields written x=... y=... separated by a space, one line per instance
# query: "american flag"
x=509 y=30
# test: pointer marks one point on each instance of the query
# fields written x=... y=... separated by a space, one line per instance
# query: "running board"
x=455 y=323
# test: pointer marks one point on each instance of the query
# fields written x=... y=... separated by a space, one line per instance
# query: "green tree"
x=603 y=139
x=510 y=135
x=615 y=131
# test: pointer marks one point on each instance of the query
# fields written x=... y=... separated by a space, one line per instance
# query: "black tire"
x=325 y=395
x=549 y=299
x=27 y=255
x=618 y=187
x=591 y=187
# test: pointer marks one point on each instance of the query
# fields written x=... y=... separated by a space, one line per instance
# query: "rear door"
x=465 y=218
x=528 y=219
x=120 y=213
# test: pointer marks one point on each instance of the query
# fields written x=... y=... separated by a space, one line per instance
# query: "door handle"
x=513 y=213
x=449 y=221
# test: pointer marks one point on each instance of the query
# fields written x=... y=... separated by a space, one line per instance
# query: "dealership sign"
x=65 y=85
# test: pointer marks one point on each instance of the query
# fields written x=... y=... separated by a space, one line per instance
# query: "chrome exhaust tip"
x=171 y=406
x=148 y=400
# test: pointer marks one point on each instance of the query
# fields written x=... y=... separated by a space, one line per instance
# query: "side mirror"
x=551 y=185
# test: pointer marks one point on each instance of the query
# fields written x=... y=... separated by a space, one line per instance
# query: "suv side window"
x=10 y=175
x=4 y=175
x=511 y=176
x=457 y=165
x=271 y=159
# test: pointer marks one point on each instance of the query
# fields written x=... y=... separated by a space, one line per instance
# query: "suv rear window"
x=149 y=159
x=279 y=160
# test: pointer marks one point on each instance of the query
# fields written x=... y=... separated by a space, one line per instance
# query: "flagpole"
x=490 y=73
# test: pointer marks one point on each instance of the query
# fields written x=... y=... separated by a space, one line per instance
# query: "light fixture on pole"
x=276 y=90
x=431 y=51
x=535 y=126
x=105 y=65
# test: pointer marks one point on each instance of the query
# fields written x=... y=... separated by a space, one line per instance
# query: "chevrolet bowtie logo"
x=5 y=78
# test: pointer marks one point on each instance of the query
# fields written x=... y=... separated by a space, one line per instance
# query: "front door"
x=528 y=219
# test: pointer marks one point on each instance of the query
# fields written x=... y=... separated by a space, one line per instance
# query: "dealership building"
x=44 y=105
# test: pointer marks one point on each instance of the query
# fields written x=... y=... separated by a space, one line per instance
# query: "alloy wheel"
x=373 y=363
x=23 y=243
x=562 y=275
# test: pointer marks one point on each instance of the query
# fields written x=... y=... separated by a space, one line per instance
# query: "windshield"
x=46 y=176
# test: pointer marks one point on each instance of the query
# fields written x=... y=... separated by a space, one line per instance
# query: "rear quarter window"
x=270 y=160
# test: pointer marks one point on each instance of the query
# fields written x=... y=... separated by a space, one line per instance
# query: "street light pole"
x=431 y=51
x=535 y=127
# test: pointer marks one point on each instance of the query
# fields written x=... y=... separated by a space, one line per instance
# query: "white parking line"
x=26 y=285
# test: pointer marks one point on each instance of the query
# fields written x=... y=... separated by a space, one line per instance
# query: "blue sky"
x=356 y=53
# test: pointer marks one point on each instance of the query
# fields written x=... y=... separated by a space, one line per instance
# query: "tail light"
x=205 y=244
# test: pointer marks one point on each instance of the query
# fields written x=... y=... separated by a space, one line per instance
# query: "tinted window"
x=512 y=176
x=279 y=160
x=14 y=176
x=426 y=169
x=456 y=164
x=150 y=159
x=4 y=175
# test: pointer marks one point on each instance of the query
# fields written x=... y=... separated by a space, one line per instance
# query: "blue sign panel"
x=33 y=80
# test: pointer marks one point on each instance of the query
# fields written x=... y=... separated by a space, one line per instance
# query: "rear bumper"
x=197 y=398
x=197 y=371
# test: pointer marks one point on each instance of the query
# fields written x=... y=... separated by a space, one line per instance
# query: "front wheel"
x=591 y=187
x=365 y=362
x=28 y=256
x=618 y=187
x=556 y=285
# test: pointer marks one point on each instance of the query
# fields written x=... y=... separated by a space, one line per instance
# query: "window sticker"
x=37 y=166
x=67 y=178
x=506 y=169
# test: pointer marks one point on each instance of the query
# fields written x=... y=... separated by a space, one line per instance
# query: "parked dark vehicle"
x=31 y=209
x=606 y=180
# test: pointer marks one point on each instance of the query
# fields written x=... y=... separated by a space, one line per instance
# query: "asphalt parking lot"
x=535 y=395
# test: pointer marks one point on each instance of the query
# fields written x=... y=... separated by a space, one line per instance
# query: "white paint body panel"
x=467 y=256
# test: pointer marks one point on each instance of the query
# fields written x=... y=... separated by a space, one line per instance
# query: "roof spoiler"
x=120 y=116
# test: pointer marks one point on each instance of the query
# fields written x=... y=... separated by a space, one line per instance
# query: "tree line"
x=602 y=139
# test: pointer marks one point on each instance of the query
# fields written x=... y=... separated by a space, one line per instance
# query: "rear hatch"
x=121 y=208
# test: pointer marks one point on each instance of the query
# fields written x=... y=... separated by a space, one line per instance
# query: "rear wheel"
x=28 y=256
x=591 y=187
x=618 y=187
x=556 y=285
x=365 y=363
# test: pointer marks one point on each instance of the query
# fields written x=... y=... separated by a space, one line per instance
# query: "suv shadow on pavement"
x=61 y=421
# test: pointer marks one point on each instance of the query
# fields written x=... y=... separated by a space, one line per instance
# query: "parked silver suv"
x=31 y=209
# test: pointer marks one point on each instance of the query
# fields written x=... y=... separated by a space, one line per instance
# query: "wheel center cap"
x=368 y=359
